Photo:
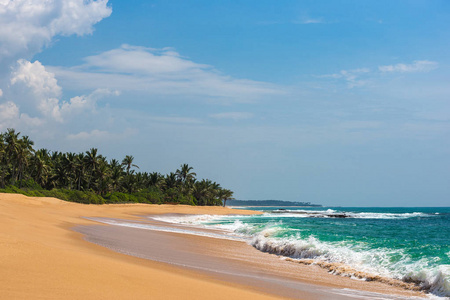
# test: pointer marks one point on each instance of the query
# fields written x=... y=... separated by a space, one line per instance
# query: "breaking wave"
x=357 y=261
x=330 y=213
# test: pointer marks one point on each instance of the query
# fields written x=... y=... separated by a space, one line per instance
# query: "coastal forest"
x=89 y=177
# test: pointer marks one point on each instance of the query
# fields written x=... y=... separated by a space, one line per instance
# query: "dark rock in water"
x=312 y=214
x=339 y=216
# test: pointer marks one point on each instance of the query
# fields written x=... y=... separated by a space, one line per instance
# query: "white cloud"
x=42 y=87
x=96 y=135
x=232 y=115
x=352 y=77
x=159 y=72
x=39 y=90
x=26 y=26
x=416 y=66
x=8 y=111
x=363 y=76
x=11 y=117
x=307 y=20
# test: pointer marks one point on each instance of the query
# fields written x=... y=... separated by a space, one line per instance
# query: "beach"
x=52 y=249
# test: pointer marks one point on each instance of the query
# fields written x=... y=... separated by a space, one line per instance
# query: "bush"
x=28 y=184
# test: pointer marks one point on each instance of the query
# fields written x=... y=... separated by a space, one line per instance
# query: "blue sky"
x=332 y=102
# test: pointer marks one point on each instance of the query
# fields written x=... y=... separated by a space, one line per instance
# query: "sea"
x=408 y=244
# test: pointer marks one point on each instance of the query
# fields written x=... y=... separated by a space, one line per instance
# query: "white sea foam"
x=330 y=213
x=145 y=226
x=186 y=219
x=358 y=257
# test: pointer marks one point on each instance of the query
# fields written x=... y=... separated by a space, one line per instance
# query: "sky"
x=331 y=102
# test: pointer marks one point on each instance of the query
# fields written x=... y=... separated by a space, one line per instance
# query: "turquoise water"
x=410 y=244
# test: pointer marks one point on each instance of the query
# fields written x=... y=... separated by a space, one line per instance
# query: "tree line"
x=89 y=177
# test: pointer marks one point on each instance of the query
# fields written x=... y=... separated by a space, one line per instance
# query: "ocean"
x=408 y=244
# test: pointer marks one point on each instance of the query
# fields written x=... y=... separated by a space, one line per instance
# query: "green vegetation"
x=90 y=178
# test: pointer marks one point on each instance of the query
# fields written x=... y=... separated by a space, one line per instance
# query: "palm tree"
x=129 y=182
x=184 y=174
x=116 y=174
x=12 y=148
x=70 y=165
x=103 y=176
x=3 y=161
x=204 y=191
x=170 y=181
x=40 y=167
x=128 y=163
x=23 y=155
x=156 y=180
x=79 y=170
x=91 y=162
x=224 y=195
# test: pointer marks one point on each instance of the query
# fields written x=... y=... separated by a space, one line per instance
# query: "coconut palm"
x=23 y=155
x=184 y=174
x=90 y=170
x=156 y=180
x=79 y=170
x=70 y=165
x=12 y=147
x=3 y=161
x=170 y=181
x=92 y=161
x=128 y=163
x=40 y=167
x=103 y=173
x=116 y=174
x=224 y=195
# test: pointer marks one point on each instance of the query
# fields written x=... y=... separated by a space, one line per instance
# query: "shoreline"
x=294 y=278
x=42 y=256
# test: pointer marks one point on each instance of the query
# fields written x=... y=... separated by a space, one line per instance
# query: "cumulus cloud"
x=26 y=26
x=416 y=66
x=8 y=111
x=31 y=94
x=38 y=90
x=11 y=117
x=232 y=115
x=158 y=72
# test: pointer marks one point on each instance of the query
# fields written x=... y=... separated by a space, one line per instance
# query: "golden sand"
x=41 y=257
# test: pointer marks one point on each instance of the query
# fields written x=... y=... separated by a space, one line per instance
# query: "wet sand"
x=42 y=257
x=234 y=261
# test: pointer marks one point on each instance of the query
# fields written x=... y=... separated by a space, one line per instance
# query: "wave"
x=330 y=213
x=356 y=261
x=351 y=259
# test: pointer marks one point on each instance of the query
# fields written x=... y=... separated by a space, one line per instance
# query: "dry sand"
x=41 y=257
